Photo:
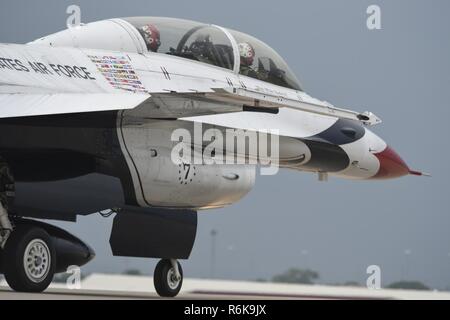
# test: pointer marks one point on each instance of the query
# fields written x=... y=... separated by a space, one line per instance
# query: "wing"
x=42 y=80
x=24 y=105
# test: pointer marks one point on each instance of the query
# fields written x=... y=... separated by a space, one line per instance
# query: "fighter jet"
x=135 y=117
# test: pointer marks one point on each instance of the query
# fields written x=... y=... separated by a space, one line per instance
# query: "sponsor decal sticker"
x=118 y=72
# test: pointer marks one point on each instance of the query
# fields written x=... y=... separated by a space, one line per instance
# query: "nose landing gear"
x=168 y=278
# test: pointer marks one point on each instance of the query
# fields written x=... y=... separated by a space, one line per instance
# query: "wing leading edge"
x=268 y=100
x=24 y=105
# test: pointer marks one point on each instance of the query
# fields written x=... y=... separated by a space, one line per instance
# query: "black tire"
x=161 y=279
x=33 y=244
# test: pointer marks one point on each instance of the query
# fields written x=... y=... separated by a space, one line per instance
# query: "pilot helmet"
x=247 y=53
x=151 y=36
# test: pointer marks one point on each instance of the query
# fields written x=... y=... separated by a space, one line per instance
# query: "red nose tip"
x=391 y=165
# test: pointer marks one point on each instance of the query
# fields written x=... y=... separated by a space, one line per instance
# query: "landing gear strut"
x=7 y=194
x=168 y=278
x=5 y=226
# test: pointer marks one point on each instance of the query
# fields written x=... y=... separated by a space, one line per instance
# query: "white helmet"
x=247 y=53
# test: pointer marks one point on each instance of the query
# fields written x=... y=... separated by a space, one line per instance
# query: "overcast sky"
x=401 y=73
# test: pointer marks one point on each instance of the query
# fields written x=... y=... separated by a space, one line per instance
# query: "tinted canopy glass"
x=214 y=45
x=186 y=39
x=260 y=61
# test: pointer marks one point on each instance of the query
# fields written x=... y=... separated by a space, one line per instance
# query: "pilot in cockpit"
x=151 y=36
x=247 y=54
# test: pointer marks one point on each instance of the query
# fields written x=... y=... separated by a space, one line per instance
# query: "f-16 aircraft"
x=87 y=123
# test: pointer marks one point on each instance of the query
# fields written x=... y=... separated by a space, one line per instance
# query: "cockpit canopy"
x=216 y=46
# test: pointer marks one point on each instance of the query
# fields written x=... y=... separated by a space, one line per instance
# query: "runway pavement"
x=66 y=294
x=111 y=286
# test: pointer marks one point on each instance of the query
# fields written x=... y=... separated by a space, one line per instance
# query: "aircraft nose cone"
x=391 y=165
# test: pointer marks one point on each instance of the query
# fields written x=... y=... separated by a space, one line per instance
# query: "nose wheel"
x=168 y=278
